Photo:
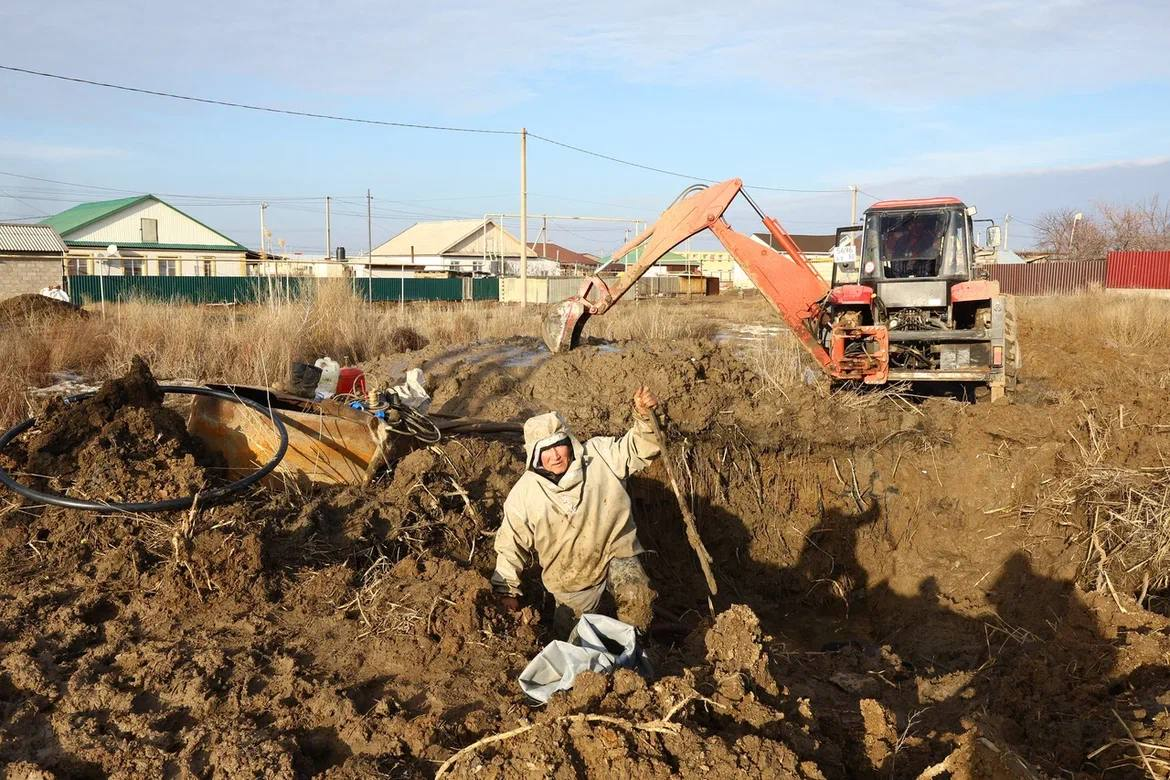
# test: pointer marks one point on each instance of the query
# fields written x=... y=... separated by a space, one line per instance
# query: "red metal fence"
x=1049 y=278
x=1138 y=270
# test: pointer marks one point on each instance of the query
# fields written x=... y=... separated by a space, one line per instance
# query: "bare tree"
x=1140 y=226
x=1069 y=238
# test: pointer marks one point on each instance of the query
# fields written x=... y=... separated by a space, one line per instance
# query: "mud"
x=119 y=445
x=906 y=586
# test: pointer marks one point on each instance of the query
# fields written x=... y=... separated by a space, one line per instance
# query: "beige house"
x=144 y=236
x=455 y=247
x=817 y=248
x=30 y=258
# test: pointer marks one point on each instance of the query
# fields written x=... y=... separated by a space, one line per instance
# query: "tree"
x=1139 y=226
x=1069 y=238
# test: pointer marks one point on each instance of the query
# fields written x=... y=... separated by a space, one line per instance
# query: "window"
x=150 y=230
x=253 y=269
x=168 y=267
x=132 y=266
x=208 y=266
x=77 y=266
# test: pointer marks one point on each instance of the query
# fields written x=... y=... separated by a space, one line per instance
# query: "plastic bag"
x=411 y=393
x=597 y=644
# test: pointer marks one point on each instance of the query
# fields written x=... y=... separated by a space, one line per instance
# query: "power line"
x=237 y=199
x=384 y=123
x=663 y=170
x=249 y=107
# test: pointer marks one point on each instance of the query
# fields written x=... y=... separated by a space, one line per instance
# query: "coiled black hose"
x=209 y=497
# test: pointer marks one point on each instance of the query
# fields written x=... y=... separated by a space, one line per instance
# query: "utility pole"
x=1007 y=220
x=263 y=251
x=852 y=204
x=328 y=231
x=370 y=243
x=523 y=216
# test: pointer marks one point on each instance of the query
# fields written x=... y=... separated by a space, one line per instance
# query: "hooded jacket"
x=576 y=526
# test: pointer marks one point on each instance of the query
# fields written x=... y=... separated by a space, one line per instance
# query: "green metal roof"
x=84 y=214
x=87 y=213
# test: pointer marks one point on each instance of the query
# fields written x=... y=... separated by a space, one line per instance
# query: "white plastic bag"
x=597 y=644
x=411 y=393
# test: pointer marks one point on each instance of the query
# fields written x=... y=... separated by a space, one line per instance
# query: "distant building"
x=149 y=238
x=569 y=263
x=30 y=258
x=719 y=264
x=455 y=247
x=670 y=264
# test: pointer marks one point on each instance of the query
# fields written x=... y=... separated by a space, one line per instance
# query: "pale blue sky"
x=1016 y=107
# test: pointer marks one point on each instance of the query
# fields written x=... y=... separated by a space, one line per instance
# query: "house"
x=30 y=258
x=670 y=264
x=817 y=248
x=569 y=263
x=143 y=236
x=455 y=247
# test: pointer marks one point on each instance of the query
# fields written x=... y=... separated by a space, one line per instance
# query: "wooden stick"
x=693 y=537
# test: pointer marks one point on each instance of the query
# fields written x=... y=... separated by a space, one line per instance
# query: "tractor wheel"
x=1012 y=359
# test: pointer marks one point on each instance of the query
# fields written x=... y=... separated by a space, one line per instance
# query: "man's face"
x=555 y=460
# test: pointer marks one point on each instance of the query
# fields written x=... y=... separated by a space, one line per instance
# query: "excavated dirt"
x=119 y=445
x=906 y=588
x=23 y=308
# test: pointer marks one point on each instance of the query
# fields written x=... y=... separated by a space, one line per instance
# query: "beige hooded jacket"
x=577 y=526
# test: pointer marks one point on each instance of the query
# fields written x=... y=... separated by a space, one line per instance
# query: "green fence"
x=245 y=289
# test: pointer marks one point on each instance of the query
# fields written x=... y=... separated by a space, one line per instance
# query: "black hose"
x=209 y=497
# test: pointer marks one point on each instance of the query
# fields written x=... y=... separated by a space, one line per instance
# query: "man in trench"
x=570 y=509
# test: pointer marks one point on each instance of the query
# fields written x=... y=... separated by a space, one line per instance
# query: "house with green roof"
x=144 y=236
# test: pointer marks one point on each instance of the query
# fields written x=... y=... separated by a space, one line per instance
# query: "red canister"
x=351 y=380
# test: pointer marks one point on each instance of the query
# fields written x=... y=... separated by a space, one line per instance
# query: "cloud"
x=41 y=152
x=471 y=56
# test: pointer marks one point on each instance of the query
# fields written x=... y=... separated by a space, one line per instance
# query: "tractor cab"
x=916 y=239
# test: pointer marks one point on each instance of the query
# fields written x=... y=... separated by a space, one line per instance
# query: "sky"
x=1016 y=108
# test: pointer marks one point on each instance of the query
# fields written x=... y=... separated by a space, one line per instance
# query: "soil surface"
x=22 y=308
x=907 y=587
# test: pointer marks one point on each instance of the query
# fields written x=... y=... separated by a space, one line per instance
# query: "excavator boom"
x=788 y=282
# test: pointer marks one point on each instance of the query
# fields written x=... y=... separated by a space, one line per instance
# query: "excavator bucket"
x=563 y=324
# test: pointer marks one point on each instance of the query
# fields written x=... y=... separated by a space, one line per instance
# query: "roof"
x=915 y=203
x=438 y=237
x=807 y=242
x=31 y=239
x=85 y=214
x=561 y=254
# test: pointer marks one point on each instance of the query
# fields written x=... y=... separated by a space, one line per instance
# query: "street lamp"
x=1072 y=233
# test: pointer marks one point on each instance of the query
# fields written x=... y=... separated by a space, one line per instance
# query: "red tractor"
x=906 y=301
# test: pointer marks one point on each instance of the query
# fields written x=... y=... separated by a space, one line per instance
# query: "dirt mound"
x=121 y=444
x=24 y=308
x=906 y=586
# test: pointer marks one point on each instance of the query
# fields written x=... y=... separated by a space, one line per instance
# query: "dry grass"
x=1129 y=322
x=1126 y=514
x=255 y=344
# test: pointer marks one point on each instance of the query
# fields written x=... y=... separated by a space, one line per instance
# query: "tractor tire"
x=1012 y=357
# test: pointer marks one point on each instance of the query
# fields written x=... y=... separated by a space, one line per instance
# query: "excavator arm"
x=788 y=282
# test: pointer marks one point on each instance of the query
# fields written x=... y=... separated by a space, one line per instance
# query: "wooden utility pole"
x=852 y=204
x=370 y=243
x=523 y=216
